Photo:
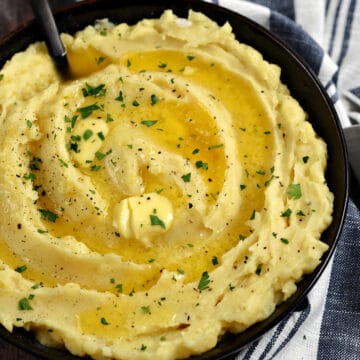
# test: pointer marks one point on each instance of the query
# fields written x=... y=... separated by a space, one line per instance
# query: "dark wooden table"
x=13 y=13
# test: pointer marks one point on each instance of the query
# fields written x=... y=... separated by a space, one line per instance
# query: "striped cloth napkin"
x=326 y=33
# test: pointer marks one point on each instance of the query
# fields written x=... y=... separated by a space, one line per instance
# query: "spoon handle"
x=44 y=16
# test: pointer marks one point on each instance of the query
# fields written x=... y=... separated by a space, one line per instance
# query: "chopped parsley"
x=29 y=176
x=29 y=124
x=1 y=76
x=149 y=123
x=190 y=57
x=242 y=186
x=34 y=163
x=101 y=135
x=286 y=213
x=201 y=165
x=212 y=147
x=120 y=97
x=284 y=240
x=24 y=304
x=305 y=159
x=186 y=177
x=63 y=163
x=135 y=103
x=154 y=99
x=300 y=213
x=252 y=217
x=119 y=288
x=88 y=133
x=100 y=59
x=195 y=151
x=48 y=215
x=86 y=111
x=162 y=66
x=146 y=309
x=204 y=281
x=71 y=120
x=261 y=172
x=258 y=269
x=90 y=90
x=143 y=347
x=109 y=118
x=154 y=220
x=104 y=321
x=294 y=191
x=214 y=260
x=95 y=167
x=99 y=155
x=21 y=268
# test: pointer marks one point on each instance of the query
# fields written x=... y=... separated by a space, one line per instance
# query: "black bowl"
x=304 y=86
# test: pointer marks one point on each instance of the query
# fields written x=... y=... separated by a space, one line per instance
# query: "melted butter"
x=190 y=135
x=84 y=62
x=128 y=317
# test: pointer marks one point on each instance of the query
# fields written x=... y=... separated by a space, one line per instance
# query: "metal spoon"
x=44 y=16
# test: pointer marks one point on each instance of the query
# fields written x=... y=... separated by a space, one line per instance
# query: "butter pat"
x=143 y=217
x=89 y=135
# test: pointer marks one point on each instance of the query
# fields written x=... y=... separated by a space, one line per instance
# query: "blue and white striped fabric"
x=326 y=33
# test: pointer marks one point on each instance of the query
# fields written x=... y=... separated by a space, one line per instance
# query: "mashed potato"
x=171 y=193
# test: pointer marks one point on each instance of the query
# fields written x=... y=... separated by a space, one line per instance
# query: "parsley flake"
x=252 y=217
x=104 y=321
x=120 y=97
x=294 y=191
x=86 y=111
x=48 y=215
x=199 y=164
x=24 y=304
x=149 y=123
x=21 y=268
x=154 y=220
x=100 y=59
x=154 y=99
x=212 y=147
x=146 y=309
x=90 y=90
x=88 y=133
x=186 y=177
x=284 y=240
x=204 y=281
x=286 y=213
x=258 y=269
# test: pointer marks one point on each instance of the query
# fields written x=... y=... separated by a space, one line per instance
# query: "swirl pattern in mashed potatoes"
x=172 y=192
